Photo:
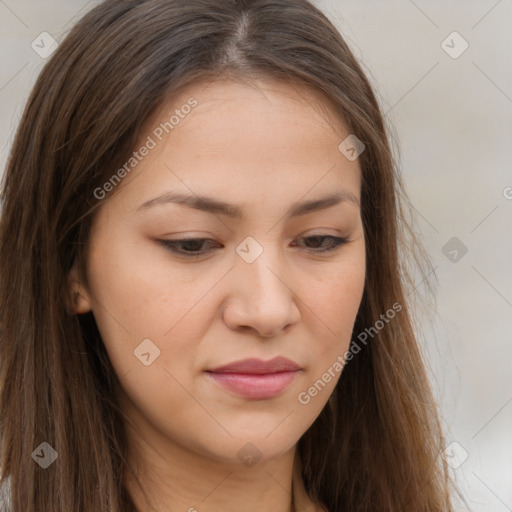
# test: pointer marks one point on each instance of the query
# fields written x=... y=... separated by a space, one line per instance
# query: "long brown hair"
x=376 y=446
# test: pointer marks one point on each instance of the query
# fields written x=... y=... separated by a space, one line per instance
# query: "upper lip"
x=258 y=366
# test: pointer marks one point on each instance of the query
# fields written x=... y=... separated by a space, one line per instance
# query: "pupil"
x=193 y=245
x=315 y=239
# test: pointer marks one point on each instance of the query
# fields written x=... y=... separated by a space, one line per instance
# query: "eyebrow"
x=215 y=206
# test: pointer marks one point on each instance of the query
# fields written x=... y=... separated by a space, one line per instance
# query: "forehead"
x=252 y=101
x=242 y=142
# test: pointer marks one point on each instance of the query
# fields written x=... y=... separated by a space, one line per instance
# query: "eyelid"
x=337 y=242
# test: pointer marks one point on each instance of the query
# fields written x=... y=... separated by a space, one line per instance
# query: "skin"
x=263 y=148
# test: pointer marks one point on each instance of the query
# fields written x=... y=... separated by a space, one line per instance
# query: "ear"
x=78 y=300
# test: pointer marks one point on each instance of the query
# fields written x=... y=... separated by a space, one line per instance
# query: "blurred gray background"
x=443 y=74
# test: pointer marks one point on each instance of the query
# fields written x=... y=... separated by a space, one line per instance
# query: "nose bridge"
x=260 y=268
x=262 y=298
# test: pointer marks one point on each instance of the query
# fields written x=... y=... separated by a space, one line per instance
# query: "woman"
x=202 y=301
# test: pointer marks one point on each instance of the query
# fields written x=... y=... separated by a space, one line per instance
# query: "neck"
x=179 y=479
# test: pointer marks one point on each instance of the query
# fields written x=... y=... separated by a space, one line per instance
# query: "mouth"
x=256 y=379
x=255 y=386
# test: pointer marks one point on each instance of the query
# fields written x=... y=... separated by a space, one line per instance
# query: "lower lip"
x=253 y=386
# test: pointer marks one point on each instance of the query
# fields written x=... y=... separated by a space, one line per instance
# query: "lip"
x=258 y=366
x=256 y=379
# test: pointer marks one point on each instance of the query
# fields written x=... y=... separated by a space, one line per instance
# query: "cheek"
x=142 y=295
x=338 y=293
x=335 y=304
x=141 y=292
x=334 y=301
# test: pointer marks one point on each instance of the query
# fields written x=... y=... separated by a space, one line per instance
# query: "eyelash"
x=171 y=245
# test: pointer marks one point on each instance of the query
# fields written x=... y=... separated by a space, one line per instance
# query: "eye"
x=188 y=247
x=316 y=241
x=194 y=247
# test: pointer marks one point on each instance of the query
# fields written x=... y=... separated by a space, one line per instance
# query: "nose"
x=261 y=296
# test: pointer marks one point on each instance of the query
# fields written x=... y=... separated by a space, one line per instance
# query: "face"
x=271 y=265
